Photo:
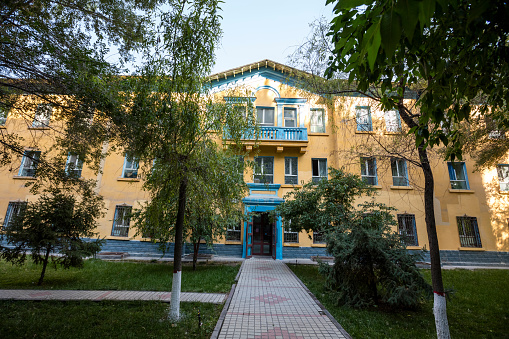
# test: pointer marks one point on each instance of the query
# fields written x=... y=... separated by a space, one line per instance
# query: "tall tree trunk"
x=177 y=254
x=196 y=248
x=44 y=264
x=439 y=305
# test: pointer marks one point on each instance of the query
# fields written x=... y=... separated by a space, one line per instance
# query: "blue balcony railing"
x=277 y=133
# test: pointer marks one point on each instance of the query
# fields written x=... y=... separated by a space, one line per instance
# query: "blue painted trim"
x=290 y=101
x=249 y=208
x=265 y=72
x=279 y=115
x=269 y=88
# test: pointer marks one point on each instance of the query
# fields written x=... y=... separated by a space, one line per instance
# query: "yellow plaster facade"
x=339 y=141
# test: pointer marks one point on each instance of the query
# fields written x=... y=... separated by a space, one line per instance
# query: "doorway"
x=262 y=234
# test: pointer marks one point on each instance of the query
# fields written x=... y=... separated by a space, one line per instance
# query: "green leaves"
x=347 y=4
x=390 y=32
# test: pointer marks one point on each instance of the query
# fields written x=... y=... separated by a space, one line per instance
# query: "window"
x=264 y=170
x=233 y=232
x=265 y=116
x=29 y=163
x=392 y=121
x=319 y=167
x=121 y=222
x=74 y=165
x=14 y=209
x=290 y=115
x=458 y=175
x=468 y=231
x=399 y=172
x=363 y=116
x=42 y=115
x=318 y=238
x=368 y=171
x=3 y=116
x=503 y=177
x=317 y=121
x=407 y=230
x=291 y=171
x=130 y=167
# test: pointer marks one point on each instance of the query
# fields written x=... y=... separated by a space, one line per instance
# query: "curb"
x=324 y=310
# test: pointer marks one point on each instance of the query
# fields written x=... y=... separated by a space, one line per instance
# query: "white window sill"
x=298 y=186
x=291 y=244
x=128 y=179
x=503 y=192
x=451 y=190
x=377 y=187
x=20 y=177
x=393 y=133
x=478 y=249
x=401 y=187
x=317 y=134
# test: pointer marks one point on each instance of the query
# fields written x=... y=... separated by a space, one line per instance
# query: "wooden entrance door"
x=262 y=234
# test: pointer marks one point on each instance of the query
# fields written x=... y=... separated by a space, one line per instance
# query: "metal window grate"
x=318 y=238
x=406 y=228
x=468 y=232
x=13 y=209
x=233 y=234
x=291 y=236
x=121 y=222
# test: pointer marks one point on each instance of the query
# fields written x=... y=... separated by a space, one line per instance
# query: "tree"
x=173 y=119
x=371 y=264
x=56 y=222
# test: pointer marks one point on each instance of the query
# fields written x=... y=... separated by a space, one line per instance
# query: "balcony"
x=280 y=137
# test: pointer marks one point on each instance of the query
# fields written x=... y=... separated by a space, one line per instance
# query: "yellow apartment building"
x=299 y=138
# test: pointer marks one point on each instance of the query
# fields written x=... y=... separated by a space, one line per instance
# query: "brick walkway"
x=270 y=302
x=214 y=298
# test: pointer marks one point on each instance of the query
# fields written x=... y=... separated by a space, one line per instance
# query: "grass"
x=479 y=308
x=106 y=275
x=106 y=319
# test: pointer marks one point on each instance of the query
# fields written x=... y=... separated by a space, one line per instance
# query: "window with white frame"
x=74 y=165
x=29 y=163
x=392 y=121
x=407 y=229
x=130 y=167
x=468 y=231
x=399 y=172
x=42 y=115
x=503 y=177
x=363 y=118
x=3 y=116
x=13 y=209
x=121 y=221
x=368 y=170
x=458 y=175
x=289 y=235
x=290 y=117
x=291 y=170
x=233 y=232
x=319 y=170
x=264 y=170
x=265 y=116
x=317 y=121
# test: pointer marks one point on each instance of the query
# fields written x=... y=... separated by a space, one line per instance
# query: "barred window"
x=318 y=238
x=289 y=235
x=233 y=232
x=14 y=209
x=468 y=231
x=121 y=222
x=407 y=230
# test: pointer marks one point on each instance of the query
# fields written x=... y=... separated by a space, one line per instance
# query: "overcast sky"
x=264 y=29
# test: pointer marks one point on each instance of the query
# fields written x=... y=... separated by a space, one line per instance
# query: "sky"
x=255 y=30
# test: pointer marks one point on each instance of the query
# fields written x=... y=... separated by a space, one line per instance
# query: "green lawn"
x=478 y=309
x=106 y=275
x=105 y=319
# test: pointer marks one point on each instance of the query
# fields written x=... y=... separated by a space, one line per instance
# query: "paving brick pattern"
x=270 y=302
x=214 y=298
